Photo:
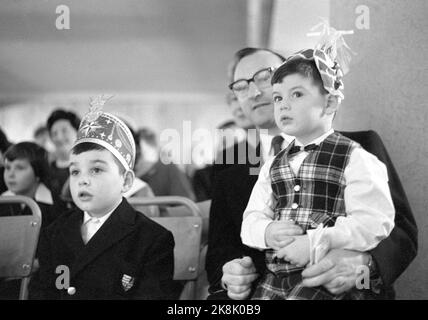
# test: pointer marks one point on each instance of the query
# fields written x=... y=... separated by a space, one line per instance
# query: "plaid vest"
x=315 y=195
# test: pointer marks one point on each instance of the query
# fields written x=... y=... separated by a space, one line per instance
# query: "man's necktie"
x=296 y=149
x=277 y=144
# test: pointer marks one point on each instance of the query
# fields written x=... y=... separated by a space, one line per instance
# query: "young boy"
x=322 y=179
x=107 y=249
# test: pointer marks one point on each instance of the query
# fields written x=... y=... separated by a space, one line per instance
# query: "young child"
x=322 y=179
x=62 y=126
x=139 y=187
x=26 y=173
x=110 y=251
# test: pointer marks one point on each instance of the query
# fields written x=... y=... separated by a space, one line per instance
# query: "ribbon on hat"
x=332 y=57
x=107 y=130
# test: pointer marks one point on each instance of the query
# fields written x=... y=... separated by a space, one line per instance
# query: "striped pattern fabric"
x=330 y=71
x=272 y=287
x=314 y=196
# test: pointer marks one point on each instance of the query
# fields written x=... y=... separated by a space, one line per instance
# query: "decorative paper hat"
x=332 y=57
x=108 y=131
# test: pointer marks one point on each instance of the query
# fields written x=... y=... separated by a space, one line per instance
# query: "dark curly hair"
x=306 y=68
x=61 y=114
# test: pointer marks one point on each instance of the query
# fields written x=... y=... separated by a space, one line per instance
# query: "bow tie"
x=296 y=149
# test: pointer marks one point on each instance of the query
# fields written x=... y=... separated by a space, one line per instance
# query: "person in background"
x=26 y=174
x=42 y=138
x=62 y=126
x=234 y=132
x=4 y=145
x=164 y=179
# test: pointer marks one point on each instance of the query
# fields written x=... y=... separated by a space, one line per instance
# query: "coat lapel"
x=117 y=226
x=71 y=232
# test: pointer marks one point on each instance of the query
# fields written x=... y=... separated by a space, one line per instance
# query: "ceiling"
x=139 y=46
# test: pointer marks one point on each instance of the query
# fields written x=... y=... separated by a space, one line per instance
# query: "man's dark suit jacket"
x=3 y=186
x=127 y=244
x=232 y=190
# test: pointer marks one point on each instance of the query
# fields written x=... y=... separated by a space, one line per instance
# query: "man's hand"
x=337 y=271
x=279 y=234
x=296 y=253
x=238 y=276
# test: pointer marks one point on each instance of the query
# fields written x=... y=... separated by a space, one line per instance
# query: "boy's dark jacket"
x=127 y=244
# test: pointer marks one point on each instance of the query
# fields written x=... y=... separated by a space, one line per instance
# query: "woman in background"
x=4 y=145
x=62 y=126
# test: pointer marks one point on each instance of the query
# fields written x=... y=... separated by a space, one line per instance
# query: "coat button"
x=294 y=206
x=71 y=290
x=297 y=188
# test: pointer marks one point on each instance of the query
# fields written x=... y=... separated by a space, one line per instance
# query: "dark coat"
x=232 y=190
x=128 y=243
x=3 y=186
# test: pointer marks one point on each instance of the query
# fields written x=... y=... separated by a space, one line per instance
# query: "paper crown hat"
x=332 y=57
x=109 y=131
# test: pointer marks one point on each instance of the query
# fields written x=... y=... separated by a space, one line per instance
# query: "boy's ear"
x=332 y=104
x=128 y=181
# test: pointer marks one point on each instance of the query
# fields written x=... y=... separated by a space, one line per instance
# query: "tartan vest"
x=315 y=195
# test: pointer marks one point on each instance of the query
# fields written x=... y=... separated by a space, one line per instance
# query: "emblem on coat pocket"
x=127 y=282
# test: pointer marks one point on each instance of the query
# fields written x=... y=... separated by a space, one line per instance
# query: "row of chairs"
x=186 y=220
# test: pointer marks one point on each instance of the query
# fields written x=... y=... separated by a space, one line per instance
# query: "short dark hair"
x=239 y=55
x=90 y=146
x=61 y=114
x=4 y=142
x=35 y=154
x=148 y=136
x=304 y=67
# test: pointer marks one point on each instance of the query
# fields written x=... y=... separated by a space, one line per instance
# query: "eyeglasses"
x=261 y=79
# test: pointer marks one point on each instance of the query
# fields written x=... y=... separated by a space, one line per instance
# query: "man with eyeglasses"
x=233 y=268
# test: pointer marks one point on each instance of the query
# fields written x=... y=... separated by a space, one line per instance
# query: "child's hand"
x=296 y=253
x=279 y=234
